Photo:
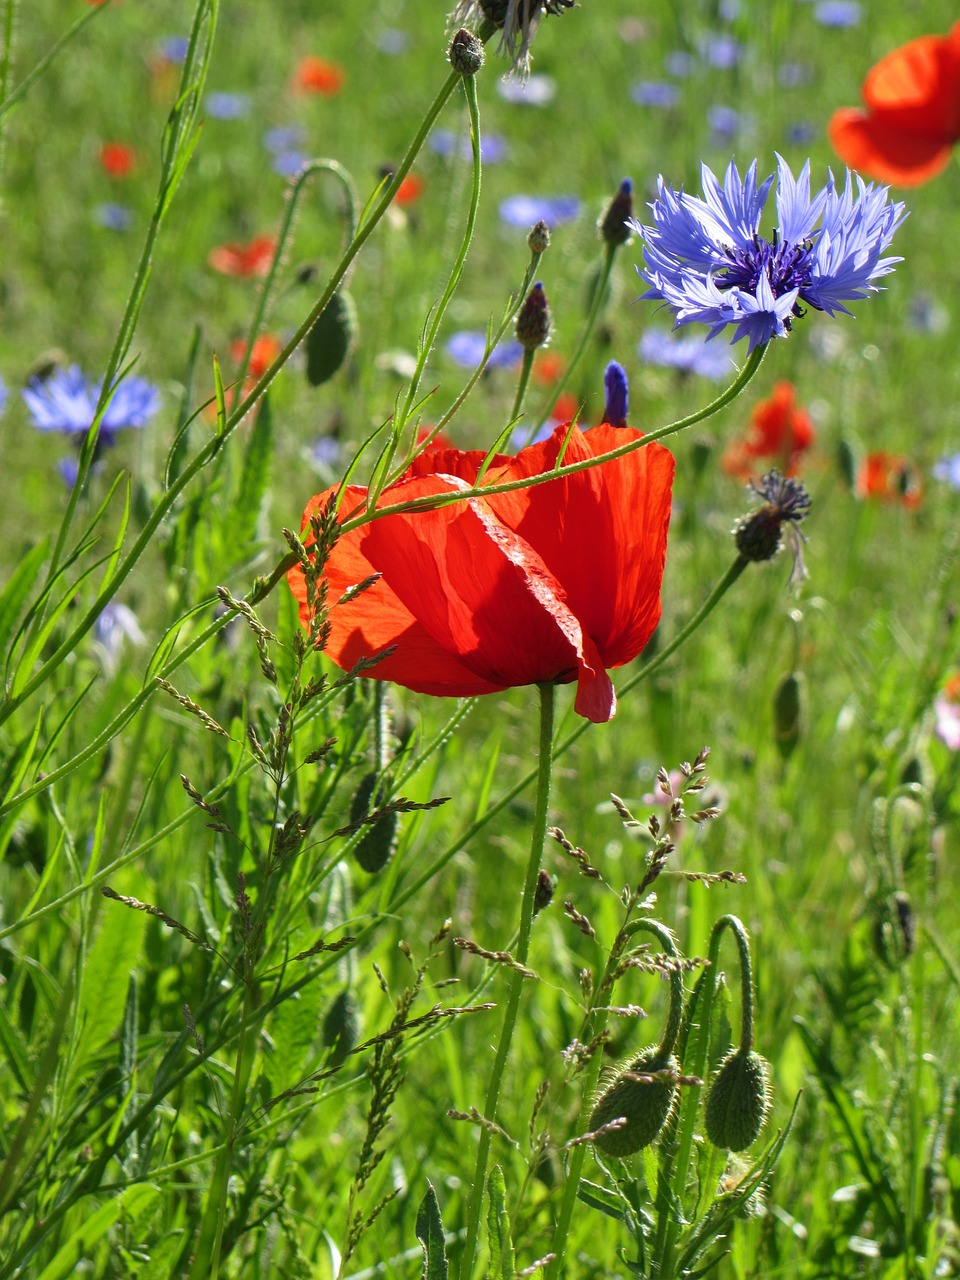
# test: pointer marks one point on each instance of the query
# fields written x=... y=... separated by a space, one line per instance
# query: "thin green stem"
x=595 y=309
x=8 y=100
x=517 y=979
x=432 y=502
x=522 y=384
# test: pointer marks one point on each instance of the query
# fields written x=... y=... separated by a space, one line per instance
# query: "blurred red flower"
x=117 y=159
x=409 y=190
x=779 y=430
x=556 y=582
x=912 y=120
x=548 y=368
x=244 y=260
x=265 y=351
x=889 y=477
x=317 y=75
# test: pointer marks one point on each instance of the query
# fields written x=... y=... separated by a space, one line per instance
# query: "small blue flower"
x=689 y=355
x=327 y=452
x=655 y=93
x=837 y=13
x=288 y=163
x=115 y=217
x=4 y=394
x=466 y=349
x=443 y=142
x=116 y=624
x=617 y=394
x=794 y=75
x=720 y=50
x=680 y=63
x=175 y=48
x=948 y=469
x=706 y=259
x=802 y=133
x=524 y=211
x=724 y=122
x=227 y=106
x=284 y=137
x=67 y=400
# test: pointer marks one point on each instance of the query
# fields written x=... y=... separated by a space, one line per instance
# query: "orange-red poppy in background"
x=317 y=75
x=912 y=117
x=117 y=159
x=556 y=582
x=244 y=260
x=889 y=477
x=779 y=432
x=409 y=190
x=265 y=351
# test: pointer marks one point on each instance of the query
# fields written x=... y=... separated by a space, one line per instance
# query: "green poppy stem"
x=517 y=979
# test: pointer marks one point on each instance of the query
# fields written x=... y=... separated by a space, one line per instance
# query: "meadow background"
x=115 y=1105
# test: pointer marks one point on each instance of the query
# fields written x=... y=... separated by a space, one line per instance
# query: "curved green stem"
x=595 y=308
x=517 y=979
x=431 y=502
x=522 y=384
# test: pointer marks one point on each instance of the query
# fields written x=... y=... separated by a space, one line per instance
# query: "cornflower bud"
x=613 y=225
x=533 y=319
x=539 y=237
x=466 y=53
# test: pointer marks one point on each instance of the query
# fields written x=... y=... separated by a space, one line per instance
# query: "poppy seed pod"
x=738 y=1101
x=379 y=838
x=643 y=1104
x=341 y=1027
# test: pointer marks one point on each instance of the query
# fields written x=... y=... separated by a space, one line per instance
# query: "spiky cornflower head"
x=517 y=21
x=616 y=224
x=67 y=400
x=759 y=536
x=706 y=259
x=533 y=319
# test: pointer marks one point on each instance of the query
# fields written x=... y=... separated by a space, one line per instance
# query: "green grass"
x=126 y=1149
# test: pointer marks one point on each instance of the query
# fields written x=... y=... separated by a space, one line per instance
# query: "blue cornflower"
x=688 y=355
x=66 y=401
x=175 y=48
x=444 y=142
x=284 y=137
x=524 y=211
x=706 y=259
x=4 y=393
x=655 y=93
x=837 y=13
x=288 y=163
x=466 y=348
x=115 y=217
x=948 y=469
x=227 y=106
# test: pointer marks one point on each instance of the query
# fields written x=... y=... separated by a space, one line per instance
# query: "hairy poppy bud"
x=533 y=319
x=341 y=1028
x=332 y=338
x=738 y=1101
x=788 y=713
x=379 y=838
x=644 y=1105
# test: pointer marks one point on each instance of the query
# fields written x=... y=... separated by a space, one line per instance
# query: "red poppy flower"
x=912 y=119
x=317 y=75
x=779 y=429
x=244 y=260
x=890 y=477
x=117 y=160
x=409 y=190
x=556 y=582
x=265 y=351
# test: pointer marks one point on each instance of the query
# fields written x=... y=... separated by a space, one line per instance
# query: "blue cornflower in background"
x=284 y=137
x=4 y=394
x=227 y=106
x=443 y=142
x=67 y=399
x=837 y=13
x=680 y=63
x=524 y=211
x=706 y=259
x=175 y=48
x=719 y=50
x=115 y=217
x=948 y=469
x=655 y=93
x=466 y=348
x=536 y=91
x=724 y=123
x=287 y=163
x=688 y=355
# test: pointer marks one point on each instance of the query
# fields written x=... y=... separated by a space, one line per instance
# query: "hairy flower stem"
x=594 y=1026
x=538 y=835
x=522 y=384
x=675 y=1166
x=595 y=308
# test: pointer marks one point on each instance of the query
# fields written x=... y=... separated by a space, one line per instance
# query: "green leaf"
x=256 y=473
x=18 y=587
x=106 y=974
x=80 y=1244
x=430 y=1234
x=502 y=1262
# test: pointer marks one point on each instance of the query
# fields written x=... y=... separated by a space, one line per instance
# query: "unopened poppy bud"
x=543 y=894
x=788 y=713
x=618 y=392
x=613 y=226
x=738 y=1101
x=341 y=1028
x=379 y=838
x=895 y=929
x=332 y=338
x=533 y=319
x=643 y=1105
x=466 y=53
x=539 y=237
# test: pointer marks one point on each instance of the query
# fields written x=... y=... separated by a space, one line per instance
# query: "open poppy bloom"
x=912 y=120
x=556 y=582
x=889 y=478
x=318 y=75
x=779 y=430
x=244 y=260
